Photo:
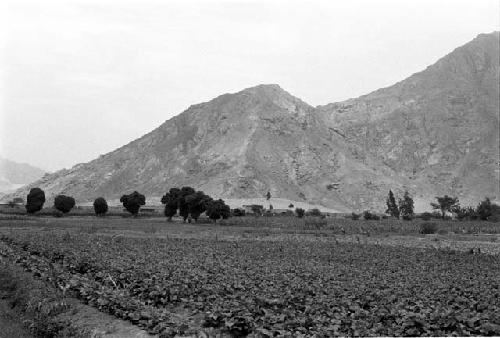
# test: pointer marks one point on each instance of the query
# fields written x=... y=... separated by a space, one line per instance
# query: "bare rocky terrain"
x=433 y=133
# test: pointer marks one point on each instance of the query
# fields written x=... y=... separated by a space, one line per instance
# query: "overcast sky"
x=81 y=78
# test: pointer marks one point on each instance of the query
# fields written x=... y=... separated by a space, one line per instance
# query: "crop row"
x=270 y=288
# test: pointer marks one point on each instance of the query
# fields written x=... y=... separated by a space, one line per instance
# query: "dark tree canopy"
x=300 y=212
x=100 y=206
x=217 y=210
x=392 y=207
x=171 y=201
x=64 y=203
x=182 y=204
x=445 y=203
x=268 y=195
x=133 y=202
x=197 y=204
x=406 y=206
x=484 y=209
x=35 y=200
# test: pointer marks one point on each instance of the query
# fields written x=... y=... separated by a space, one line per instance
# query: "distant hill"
x=433 y=133
x=14 y=175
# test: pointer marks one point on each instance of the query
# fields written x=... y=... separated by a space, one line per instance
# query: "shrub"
x=426 y=216
x=484 y=209
x=290 y=205
x=314 y=212
x=355 y=216
x=35 y=200
x=100 y=206
x=300 y=212
x=367 y=215
x=64 y=203
x=428 y=228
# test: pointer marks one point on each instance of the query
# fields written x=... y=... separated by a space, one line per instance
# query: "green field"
x=275 y=276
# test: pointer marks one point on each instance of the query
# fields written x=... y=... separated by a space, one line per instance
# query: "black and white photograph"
x=249 y=168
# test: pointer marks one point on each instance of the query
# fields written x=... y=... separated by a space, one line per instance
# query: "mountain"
x=433 y=133
x=14 y=175
x=439 y=127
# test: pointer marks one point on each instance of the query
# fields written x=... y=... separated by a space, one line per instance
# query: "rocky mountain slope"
x=438 y=127
x=14 y=175
x=435 y=132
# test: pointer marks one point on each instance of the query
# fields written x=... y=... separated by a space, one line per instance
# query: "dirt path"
x=11 y=325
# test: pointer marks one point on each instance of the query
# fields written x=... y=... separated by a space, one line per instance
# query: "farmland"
x=268 y=277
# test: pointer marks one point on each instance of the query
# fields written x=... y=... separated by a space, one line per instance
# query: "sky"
x=81 y=78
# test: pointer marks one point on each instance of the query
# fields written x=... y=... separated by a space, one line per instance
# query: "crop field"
x=265 y=279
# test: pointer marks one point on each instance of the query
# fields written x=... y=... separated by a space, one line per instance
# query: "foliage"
x=64 y=203
x=445 y=203
x=35 y=200
x=300 y=212
x=268 y=196
x=133 y=202
x=465 y=213
x=270 y=288
x=426 y=216
x=217 y=210
x=428 y=228
x=290 y=205
x=484 y=209
x=367 y=215
x=100 y=206
x=314 y=212
x=171 y=201
x=406 y=207
x=392 y=207
x=355 y=216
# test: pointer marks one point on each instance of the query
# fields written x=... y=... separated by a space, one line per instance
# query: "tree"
x=445 y=203
x=484 y=209
x=133 y=202
x=392 y=207
x=197 y=204
x=182 y=204
x=171 y=201
x=290 y=205
x=406 y=206
x=300 y=212
x=100 y=206
x=268 y=196
x=64 y=203
x=217 y=209
x=35 y=200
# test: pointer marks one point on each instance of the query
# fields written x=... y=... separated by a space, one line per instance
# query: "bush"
x=35 y=200
x=428 y=228
x=300 y=212
x=64 y=203
x=355 y=216
x=426 y=216
x=100 y=206
x=314 y=212
x=367 y=215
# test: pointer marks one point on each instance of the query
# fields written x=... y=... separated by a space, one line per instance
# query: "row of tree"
x=404 y=208
x=187 y=202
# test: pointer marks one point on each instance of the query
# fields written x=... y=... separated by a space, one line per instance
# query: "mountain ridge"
x=343 y=155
